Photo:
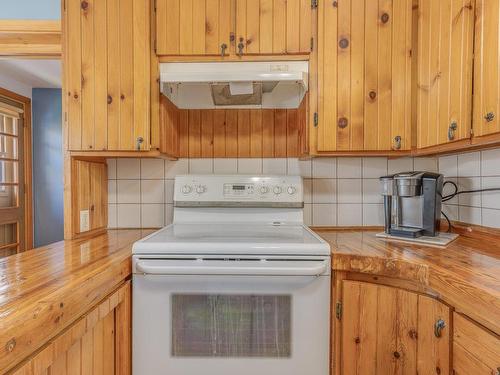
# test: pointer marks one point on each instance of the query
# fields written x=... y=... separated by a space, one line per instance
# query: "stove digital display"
x=239 y=187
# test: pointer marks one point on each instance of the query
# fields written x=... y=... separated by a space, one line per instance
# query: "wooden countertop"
x=466 y=274
x=43 y=291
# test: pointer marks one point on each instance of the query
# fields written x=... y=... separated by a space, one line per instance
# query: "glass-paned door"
x=11 y=178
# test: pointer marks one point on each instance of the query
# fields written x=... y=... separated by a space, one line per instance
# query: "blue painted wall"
x=48 y=212
x=30 y=9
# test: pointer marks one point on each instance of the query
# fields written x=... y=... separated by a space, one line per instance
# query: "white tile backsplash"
x=128 y=191
x=475 y=171
x=324 y=214
x=225 y=166
x=323 y=190
x=349 y=168
x=490 y=162
x=349 y=215
x=152 y=169
x=399 y=165
x=374 y=167
x=337 y=191
x=469 y=165
x=152 y=191
x=128 y=169
x=349 y=191
x=249 y=166
x=324 y=168
x=277 y=166
x=297 y=167
x=152 y=215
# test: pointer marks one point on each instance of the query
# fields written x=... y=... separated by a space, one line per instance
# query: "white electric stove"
x=237 y=284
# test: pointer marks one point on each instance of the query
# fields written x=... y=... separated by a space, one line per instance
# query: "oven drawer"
x=231 y=323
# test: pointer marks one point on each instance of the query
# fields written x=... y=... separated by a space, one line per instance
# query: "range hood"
x=278 y=84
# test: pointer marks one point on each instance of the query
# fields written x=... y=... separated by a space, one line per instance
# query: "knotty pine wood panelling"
x=233 y=133
x=107 y=74
x=444 y=86
x=201 y=27
x=89 y=184
x=364 y=75
x=486 y=116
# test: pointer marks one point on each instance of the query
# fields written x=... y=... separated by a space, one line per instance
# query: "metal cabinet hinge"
x=316 y=119
x=312 y=44
x=338 y=310
x=154 y=46
x=314 y=4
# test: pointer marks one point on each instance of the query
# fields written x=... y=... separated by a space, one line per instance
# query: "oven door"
x=228 y=317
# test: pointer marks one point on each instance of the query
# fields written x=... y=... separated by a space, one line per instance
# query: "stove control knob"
x=201 y=189
x=277 y=190
x=264 y=190
x=291 y=190
x=186 y=189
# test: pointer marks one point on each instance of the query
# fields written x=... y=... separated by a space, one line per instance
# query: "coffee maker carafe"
x=412 y=203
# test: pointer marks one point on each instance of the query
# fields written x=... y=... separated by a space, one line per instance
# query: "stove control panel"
x=213 y=188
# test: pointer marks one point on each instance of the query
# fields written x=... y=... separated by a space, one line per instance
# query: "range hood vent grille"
x=221 y=94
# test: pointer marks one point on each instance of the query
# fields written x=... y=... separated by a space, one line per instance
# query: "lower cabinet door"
x=98 y=343
x=475 y=350
x=388 y=330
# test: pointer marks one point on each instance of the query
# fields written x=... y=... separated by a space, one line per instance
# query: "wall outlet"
x=84 y=221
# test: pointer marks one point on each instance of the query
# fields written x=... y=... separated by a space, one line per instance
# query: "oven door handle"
x=313 y=269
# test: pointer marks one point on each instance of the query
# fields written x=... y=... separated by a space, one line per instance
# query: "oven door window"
x=231 y=325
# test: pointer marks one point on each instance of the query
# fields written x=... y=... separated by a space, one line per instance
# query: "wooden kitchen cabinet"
x=386 y=330
x=233 y=27
x=475 y=350
x=444 y=83
x=486 y=116
x=98 y=343
x=107 y=74
x=364 y=75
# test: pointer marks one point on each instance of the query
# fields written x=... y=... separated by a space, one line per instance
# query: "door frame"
x=28 y=178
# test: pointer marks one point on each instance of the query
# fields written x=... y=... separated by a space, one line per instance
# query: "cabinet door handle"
x=397 y=142
x=223 y=48
x=241 y=46
x=438 y=327
x=451 y=130
x=140 y=140
x=489 y=117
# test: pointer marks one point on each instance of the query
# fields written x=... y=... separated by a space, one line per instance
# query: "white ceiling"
x=32 y=72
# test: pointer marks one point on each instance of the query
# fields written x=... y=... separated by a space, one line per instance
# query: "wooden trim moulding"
x=92 y=155
x=288 y=57
x=30 y=38
x=28 y=177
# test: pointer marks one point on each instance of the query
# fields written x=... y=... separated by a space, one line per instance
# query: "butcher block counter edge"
x=465 y=274
x=45 y=290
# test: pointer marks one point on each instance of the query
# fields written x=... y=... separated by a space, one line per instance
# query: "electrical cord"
x=455 y=193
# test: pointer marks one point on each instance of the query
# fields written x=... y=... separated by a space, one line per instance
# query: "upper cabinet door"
x=273 y=27
x=229 y=27
x=444 y=85
x=193 y=27
x=107 y=70
x=487 y=68
x=364 y=75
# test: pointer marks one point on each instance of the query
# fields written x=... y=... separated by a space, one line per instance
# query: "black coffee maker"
x=412 y=203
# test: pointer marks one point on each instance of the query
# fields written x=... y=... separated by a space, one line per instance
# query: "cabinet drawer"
x=476 y=351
